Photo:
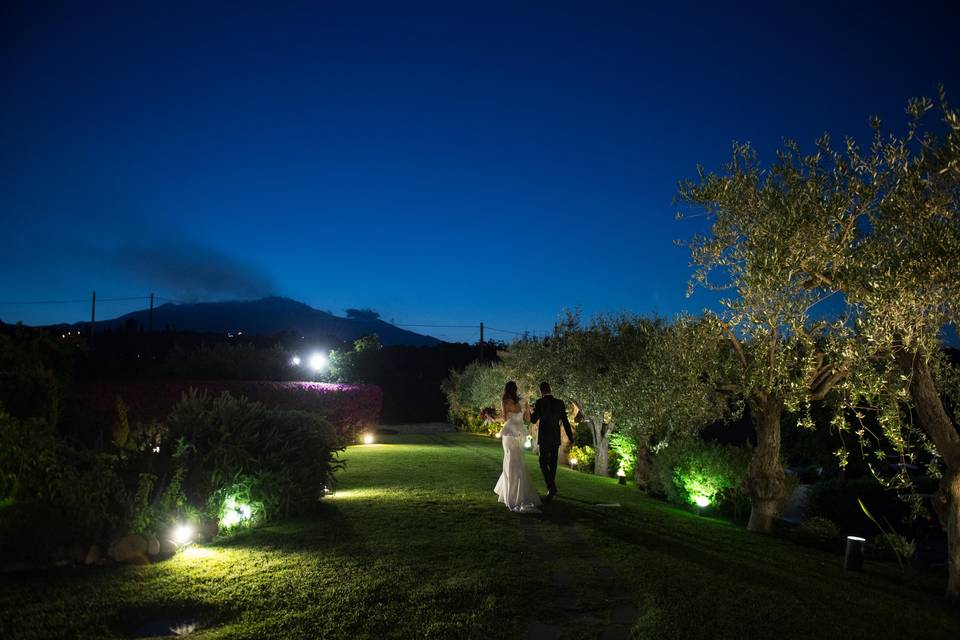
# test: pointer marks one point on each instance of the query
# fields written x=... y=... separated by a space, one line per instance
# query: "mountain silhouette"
x=266 y=316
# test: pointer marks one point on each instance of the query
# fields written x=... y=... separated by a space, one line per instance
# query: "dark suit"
x=550 y=412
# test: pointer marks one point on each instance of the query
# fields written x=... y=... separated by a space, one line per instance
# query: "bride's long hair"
x=510 y=391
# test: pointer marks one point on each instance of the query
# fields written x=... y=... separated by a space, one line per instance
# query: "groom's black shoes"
x=550 y=495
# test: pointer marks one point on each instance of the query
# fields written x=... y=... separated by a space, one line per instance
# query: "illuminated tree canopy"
x=876 y=231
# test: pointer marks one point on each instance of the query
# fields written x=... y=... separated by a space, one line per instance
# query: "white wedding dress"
x=514 y=487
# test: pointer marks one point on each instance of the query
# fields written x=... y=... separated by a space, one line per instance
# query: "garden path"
x=574 y=600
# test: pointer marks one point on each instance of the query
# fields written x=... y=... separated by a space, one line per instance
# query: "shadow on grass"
x=327 y=529
x=169 y=619
x=713 y=557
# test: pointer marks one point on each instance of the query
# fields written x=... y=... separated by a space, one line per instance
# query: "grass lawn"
x=414 y=545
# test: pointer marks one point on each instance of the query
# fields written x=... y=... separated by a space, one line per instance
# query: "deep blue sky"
x=444 y=163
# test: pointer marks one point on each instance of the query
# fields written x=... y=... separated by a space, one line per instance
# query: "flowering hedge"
x=348 y=407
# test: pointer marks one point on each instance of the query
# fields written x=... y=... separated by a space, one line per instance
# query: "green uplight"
x=235 y=513
x=701 y=501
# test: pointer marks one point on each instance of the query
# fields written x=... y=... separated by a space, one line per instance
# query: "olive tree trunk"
x=765 y=472
x=641 y=470
x=601 y=445
x=935 y=421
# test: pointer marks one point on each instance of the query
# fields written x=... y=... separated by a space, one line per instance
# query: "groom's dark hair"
x=544 y=388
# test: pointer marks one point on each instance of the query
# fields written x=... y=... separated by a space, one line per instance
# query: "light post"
x=853 y=558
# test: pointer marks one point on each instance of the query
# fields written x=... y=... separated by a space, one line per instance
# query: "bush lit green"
x=689 y=468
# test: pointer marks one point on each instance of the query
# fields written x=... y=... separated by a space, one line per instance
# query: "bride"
x=514 y=487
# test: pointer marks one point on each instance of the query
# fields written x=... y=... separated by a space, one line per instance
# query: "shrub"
x=51 y=494
x=584 y=456
x=893 y=546
x=623 y=450
x=33 y=393
x=689 y=469
x=208 y=452
x=350 y=408
x=469 y=422
x=284 y=458
x=30 y=455
x=582 y=436
x=821 y=532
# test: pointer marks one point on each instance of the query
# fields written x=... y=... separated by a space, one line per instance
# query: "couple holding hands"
x=514 y=488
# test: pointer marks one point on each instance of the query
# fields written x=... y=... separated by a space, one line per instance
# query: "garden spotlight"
x=235 y=512
x=368 y=438
x=182 y=535
x=295 y=361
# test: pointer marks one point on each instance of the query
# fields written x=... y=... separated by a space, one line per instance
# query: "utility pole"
x=93 y=317
x=151 y=313
x=481 y=343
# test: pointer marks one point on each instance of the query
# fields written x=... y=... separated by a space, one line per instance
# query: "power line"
x=85 y=300
x=516 y=333
x=439 y=326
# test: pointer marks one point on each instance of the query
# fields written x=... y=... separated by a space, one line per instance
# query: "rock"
x=153 y=545
x=131 y=549
x=93 y=554
x=138 y=559
x=167 y=547
x=77 y=553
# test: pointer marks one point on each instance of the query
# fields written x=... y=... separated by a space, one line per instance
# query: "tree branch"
x=820 y=390
x=773 y=352
x=736 y=345
x=815 y=276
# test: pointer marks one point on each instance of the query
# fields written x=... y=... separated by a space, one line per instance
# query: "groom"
x=550 y=412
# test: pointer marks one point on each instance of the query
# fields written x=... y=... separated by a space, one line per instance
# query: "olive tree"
x=878 y=230
x=643 y=377
x=665 y=389
x=755 y=250
x=479 y=386
x=894 y=255
x=578 y=362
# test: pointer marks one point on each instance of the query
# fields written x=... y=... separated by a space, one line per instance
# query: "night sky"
x=443 y=164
